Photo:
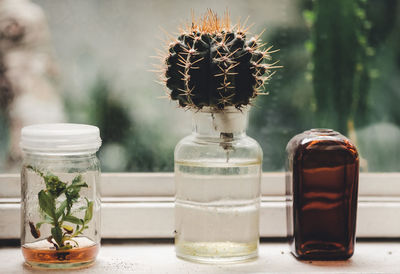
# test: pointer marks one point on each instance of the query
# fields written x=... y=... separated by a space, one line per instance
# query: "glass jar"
x=321 y=189
x=217 y=181
x=60 y=198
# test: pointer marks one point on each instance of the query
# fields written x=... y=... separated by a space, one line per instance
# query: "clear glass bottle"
x=60 y=198
x=321 y=189
x=217 y=181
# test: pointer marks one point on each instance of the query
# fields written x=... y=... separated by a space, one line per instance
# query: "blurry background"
x=89 y=62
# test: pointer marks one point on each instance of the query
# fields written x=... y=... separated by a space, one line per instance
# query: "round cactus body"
x=214 y=65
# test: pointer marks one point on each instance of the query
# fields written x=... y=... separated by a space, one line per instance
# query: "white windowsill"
x=147 y=200
x=156 y=257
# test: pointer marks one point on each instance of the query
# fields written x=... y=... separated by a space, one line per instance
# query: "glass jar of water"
x=217 y=181
x=60 y=198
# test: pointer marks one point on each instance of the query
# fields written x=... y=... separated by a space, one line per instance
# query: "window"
x=89 y=62
x=94 y=62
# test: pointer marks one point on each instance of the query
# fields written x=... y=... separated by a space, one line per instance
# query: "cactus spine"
x=212 y=64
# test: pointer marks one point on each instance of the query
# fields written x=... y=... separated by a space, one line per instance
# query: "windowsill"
x=149 y=198
x=141 y=256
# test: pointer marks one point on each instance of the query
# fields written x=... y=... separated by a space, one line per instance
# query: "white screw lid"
x=60 y=138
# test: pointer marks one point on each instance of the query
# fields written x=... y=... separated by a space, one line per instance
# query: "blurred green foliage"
x=340 y=63
x=341 y=69
x=126 y=144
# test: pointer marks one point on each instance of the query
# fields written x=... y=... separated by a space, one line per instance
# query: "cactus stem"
x=211 y=47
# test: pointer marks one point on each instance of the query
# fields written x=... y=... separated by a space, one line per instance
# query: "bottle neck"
x=229 y=123
x=322 y=132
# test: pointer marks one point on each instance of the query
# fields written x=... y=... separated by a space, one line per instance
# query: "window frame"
x=141 y=205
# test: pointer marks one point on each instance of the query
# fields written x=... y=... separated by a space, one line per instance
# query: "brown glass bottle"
x=321 y=191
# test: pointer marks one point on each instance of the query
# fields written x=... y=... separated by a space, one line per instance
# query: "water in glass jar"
x=217 y=210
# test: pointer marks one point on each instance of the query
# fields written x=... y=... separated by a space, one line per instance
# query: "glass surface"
x=89 y=62
x=60 y=222
x=321 y=189
x=217 y=201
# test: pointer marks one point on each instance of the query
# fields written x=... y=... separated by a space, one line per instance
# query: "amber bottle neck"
x=322 y=132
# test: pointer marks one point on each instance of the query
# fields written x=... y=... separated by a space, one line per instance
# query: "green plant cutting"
x=62 y=234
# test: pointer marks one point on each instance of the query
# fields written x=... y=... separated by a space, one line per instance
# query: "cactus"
x=212 y=64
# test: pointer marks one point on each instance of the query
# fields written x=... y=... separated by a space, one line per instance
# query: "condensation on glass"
x=60 y=195
x=321 y=191
x=217 y=181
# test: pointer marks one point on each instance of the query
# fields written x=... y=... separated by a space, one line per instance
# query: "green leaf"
x=77 y=179
x=46 y=203
x=72 y=191
x=68 y=229
x=54 y=185
x=47 y=218
x=77 y=182
x=73 y=220
x=89 y=212
x=61 y=209
x=39 y=224
x=57 y=235
x=37 y=171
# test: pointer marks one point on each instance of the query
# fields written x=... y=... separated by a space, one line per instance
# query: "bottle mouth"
x=323 y=131
x=230 y=109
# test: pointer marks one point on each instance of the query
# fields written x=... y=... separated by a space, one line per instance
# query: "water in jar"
x=217 y=210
